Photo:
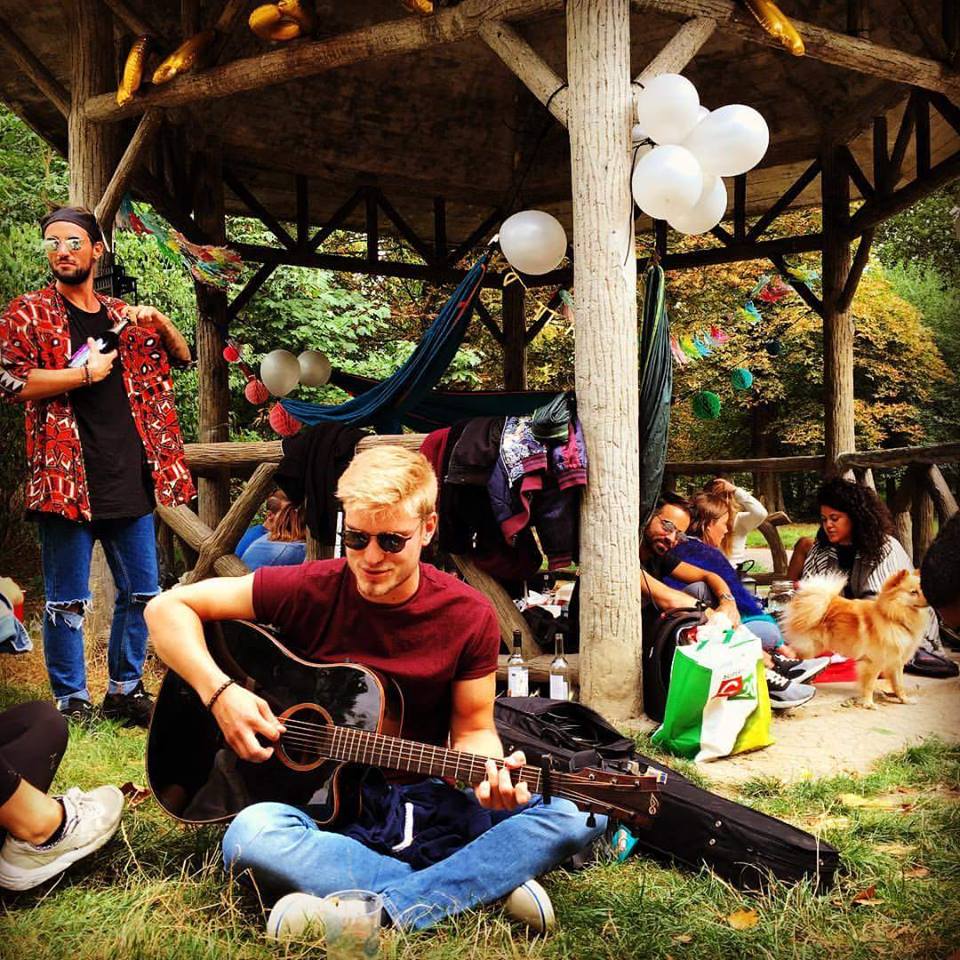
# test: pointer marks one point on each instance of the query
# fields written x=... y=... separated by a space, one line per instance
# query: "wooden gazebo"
x=433 y=128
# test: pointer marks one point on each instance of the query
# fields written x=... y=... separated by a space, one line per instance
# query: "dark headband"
x=87 y=221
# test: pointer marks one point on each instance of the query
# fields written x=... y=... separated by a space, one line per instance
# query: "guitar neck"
x=393 y=753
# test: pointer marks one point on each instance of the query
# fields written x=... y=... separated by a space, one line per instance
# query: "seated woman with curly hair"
x=855 y=538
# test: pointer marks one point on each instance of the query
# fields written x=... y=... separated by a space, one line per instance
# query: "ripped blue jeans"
x=66 y=548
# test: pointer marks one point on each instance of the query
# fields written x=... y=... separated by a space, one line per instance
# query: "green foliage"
x=32 y=175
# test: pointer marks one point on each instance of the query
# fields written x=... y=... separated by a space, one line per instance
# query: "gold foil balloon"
x=183 y=58
x=281 y=21
x=773 y=20
x=132 y=71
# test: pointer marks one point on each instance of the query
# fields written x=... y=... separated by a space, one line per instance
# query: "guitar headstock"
x=624 y=797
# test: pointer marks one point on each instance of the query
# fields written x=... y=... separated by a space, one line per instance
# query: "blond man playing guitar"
x=383 y=608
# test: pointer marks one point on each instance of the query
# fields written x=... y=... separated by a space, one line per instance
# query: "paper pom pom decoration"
x=230 y=353
x=774 y=348
x=282 y=422
x=741 y=378
x=706 y=405
x=256 y=393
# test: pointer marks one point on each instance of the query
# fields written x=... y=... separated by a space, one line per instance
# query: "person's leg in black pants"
x=43 y=835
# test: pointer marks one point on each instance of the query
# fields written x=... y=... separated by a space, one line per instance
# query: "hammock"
x=386 y=405
x=656 y=386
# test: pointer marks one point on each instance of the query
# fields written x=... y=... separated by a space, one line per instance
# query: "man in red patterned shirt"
x=103 y=447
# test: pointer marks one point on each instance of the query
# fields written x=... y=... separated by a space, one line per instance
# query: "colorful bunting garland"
x=211 y=265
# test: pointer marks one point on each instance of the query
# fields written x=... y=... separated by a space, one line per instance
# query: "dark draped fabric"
x=656 y=386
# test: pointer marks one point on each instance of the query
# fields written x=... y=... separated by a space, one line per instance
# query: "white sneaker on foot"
x=530 y=904
x=785 y=694
x=91 y=820
x=298 y=915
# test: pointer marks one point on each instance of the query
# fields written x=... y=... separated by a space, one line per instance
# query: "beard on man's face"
x=72 y=276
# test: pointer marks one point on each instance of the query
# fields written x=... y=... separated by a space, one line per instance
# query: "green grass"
x=157 y=890
x=789 y=533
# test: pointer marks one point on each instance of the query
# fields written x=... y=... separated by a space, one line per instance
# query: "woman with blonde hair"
x=744 y=513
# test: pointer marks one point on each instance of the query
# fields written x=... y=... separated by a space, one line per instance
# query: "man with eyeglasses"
x=382 y=607
x=666 y=528
x=103 y=445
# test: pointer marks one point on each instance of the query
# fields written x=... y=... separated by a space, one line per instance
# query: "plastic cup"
x=352 y=924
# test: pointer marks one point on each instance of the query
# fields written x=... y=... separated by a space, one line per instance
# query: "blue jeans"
x=285 y=850
x=66 y=548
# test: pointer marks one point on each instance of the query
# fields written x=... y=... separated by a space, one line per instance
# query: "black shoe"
x=77 y=710
x=799 y=671
x=134 y=708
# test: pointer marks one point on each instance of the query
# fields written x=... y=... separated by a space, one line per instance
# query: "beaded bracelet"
x=223 y=686
x=87 y=379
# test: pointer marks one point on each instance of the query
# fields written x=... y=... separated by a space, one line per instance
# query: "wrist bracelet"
x=87 y=379
x=223 y=686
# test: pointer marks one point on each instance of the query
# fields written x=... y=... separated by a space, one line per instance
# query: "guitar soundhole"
x=301 y=746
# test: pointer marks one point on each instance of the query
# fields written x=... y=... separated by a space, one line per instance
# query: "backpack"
x=693 y=827
x=660 y=638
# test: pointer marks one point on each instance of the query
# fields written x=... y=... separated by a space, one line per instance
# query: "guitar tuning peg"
x=591 y=820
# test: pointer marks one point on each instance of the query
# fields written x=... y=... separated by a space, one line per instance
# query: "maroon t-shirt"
x=446 y=631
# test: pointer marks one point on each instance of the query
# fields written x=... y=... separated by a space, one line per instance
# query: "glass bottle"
x=781 y=591
x=106 y=341
x=518 y=675
x=559 y=671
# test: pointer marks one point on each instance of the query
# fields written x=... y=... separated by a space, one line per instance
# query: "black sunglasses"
x=388 y=542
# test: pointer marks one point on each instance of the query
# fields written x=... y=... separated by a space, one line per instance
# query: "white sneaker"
x=530 y=904
x=91 y=820
x=300 y=915
x=786 y=694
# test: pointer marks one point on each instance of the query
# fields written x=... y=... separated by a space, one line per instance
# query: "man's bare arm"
x=175 y=620
x=43 y=384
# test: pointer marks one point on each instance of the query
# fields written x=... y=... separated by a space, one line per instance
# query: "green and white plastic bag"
x=717 y=701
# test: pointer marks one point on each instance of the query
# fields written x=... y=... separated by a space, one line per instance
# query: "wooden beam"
x=302 y=187
x=514 y=337
x=750 y=465
x=921 y=118
x=857 y=175
x=439 y=229
x=923 y=515
x=735 y=252
x=680 y=49
x=856 y=271
x=233 y=457
x=874 y=212
x=924 y=25
x=946 y=109
x=337 y=220
x=858 y=19
x=527 y=65
x=259 y=210
x=943 y=498
x=827 y=46
x=232 y=9
x=140 y=143
x=881 y=156
x=231 y=528
x=740 y=207
x=791 y=194
x=902 y=456
x=311 y=57
x=194 y=533
x=249 y=291
x=34 y=69
x=405 y=230
x=484 y=316
x=132 y=20
x=895 y=163
x=802 y=289
x=372 y=227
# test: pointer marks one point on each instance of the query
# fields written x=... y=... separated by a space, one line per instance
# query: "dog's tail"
x=810 y=603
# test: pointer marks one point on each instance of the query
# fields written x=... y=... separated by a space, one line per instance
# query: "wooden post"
x=837 y=322
x=92 y=154
x=514 y=338
x=600 y=117
x=899 y=502
x=922 y=513
x=214 y=391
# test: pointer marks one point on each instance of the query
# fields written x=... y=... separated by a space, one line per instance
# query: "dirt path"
x=830 y=735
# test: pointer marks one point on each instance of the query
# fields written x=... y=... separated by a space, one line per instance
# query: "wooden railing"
x=921 y=495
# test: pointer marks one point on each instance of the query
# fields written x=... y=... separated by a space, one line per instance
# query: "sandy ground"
x=831 y=735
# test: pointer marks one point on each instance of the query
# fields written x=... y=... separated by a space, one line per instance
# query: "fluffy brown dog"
x=882 y=633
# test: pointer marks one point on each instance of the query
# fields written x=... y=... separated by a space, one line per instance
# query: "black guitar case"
x=694 y=827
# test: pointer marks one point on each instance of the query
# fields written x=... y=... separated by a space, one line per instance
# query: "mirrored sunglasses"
x=670 y=528
x=52 y=244
x=388 y=542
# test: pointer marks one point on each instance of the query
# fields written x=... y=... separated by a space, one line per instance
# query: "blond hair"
x=734 y=507
x=389 y=478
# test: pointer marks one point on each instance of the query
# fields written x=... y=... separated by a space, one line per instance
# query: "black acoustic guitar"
x=341 y=719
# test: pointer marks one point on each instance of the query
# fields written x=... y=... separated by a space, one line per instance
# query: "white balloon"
x=637 y=134
x=702 y=114
x=667 y=107
x=707 y=212
x=314 y=368
x=533 y=241
x=730 y=141
x=666 y=181
x=279 y=372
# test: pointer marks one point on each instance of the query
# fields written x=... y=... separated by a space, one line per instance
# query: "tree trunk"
x=93 y=152
x=600 y=119
x=837 y=323
x=214 y=390
x=766 y=485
